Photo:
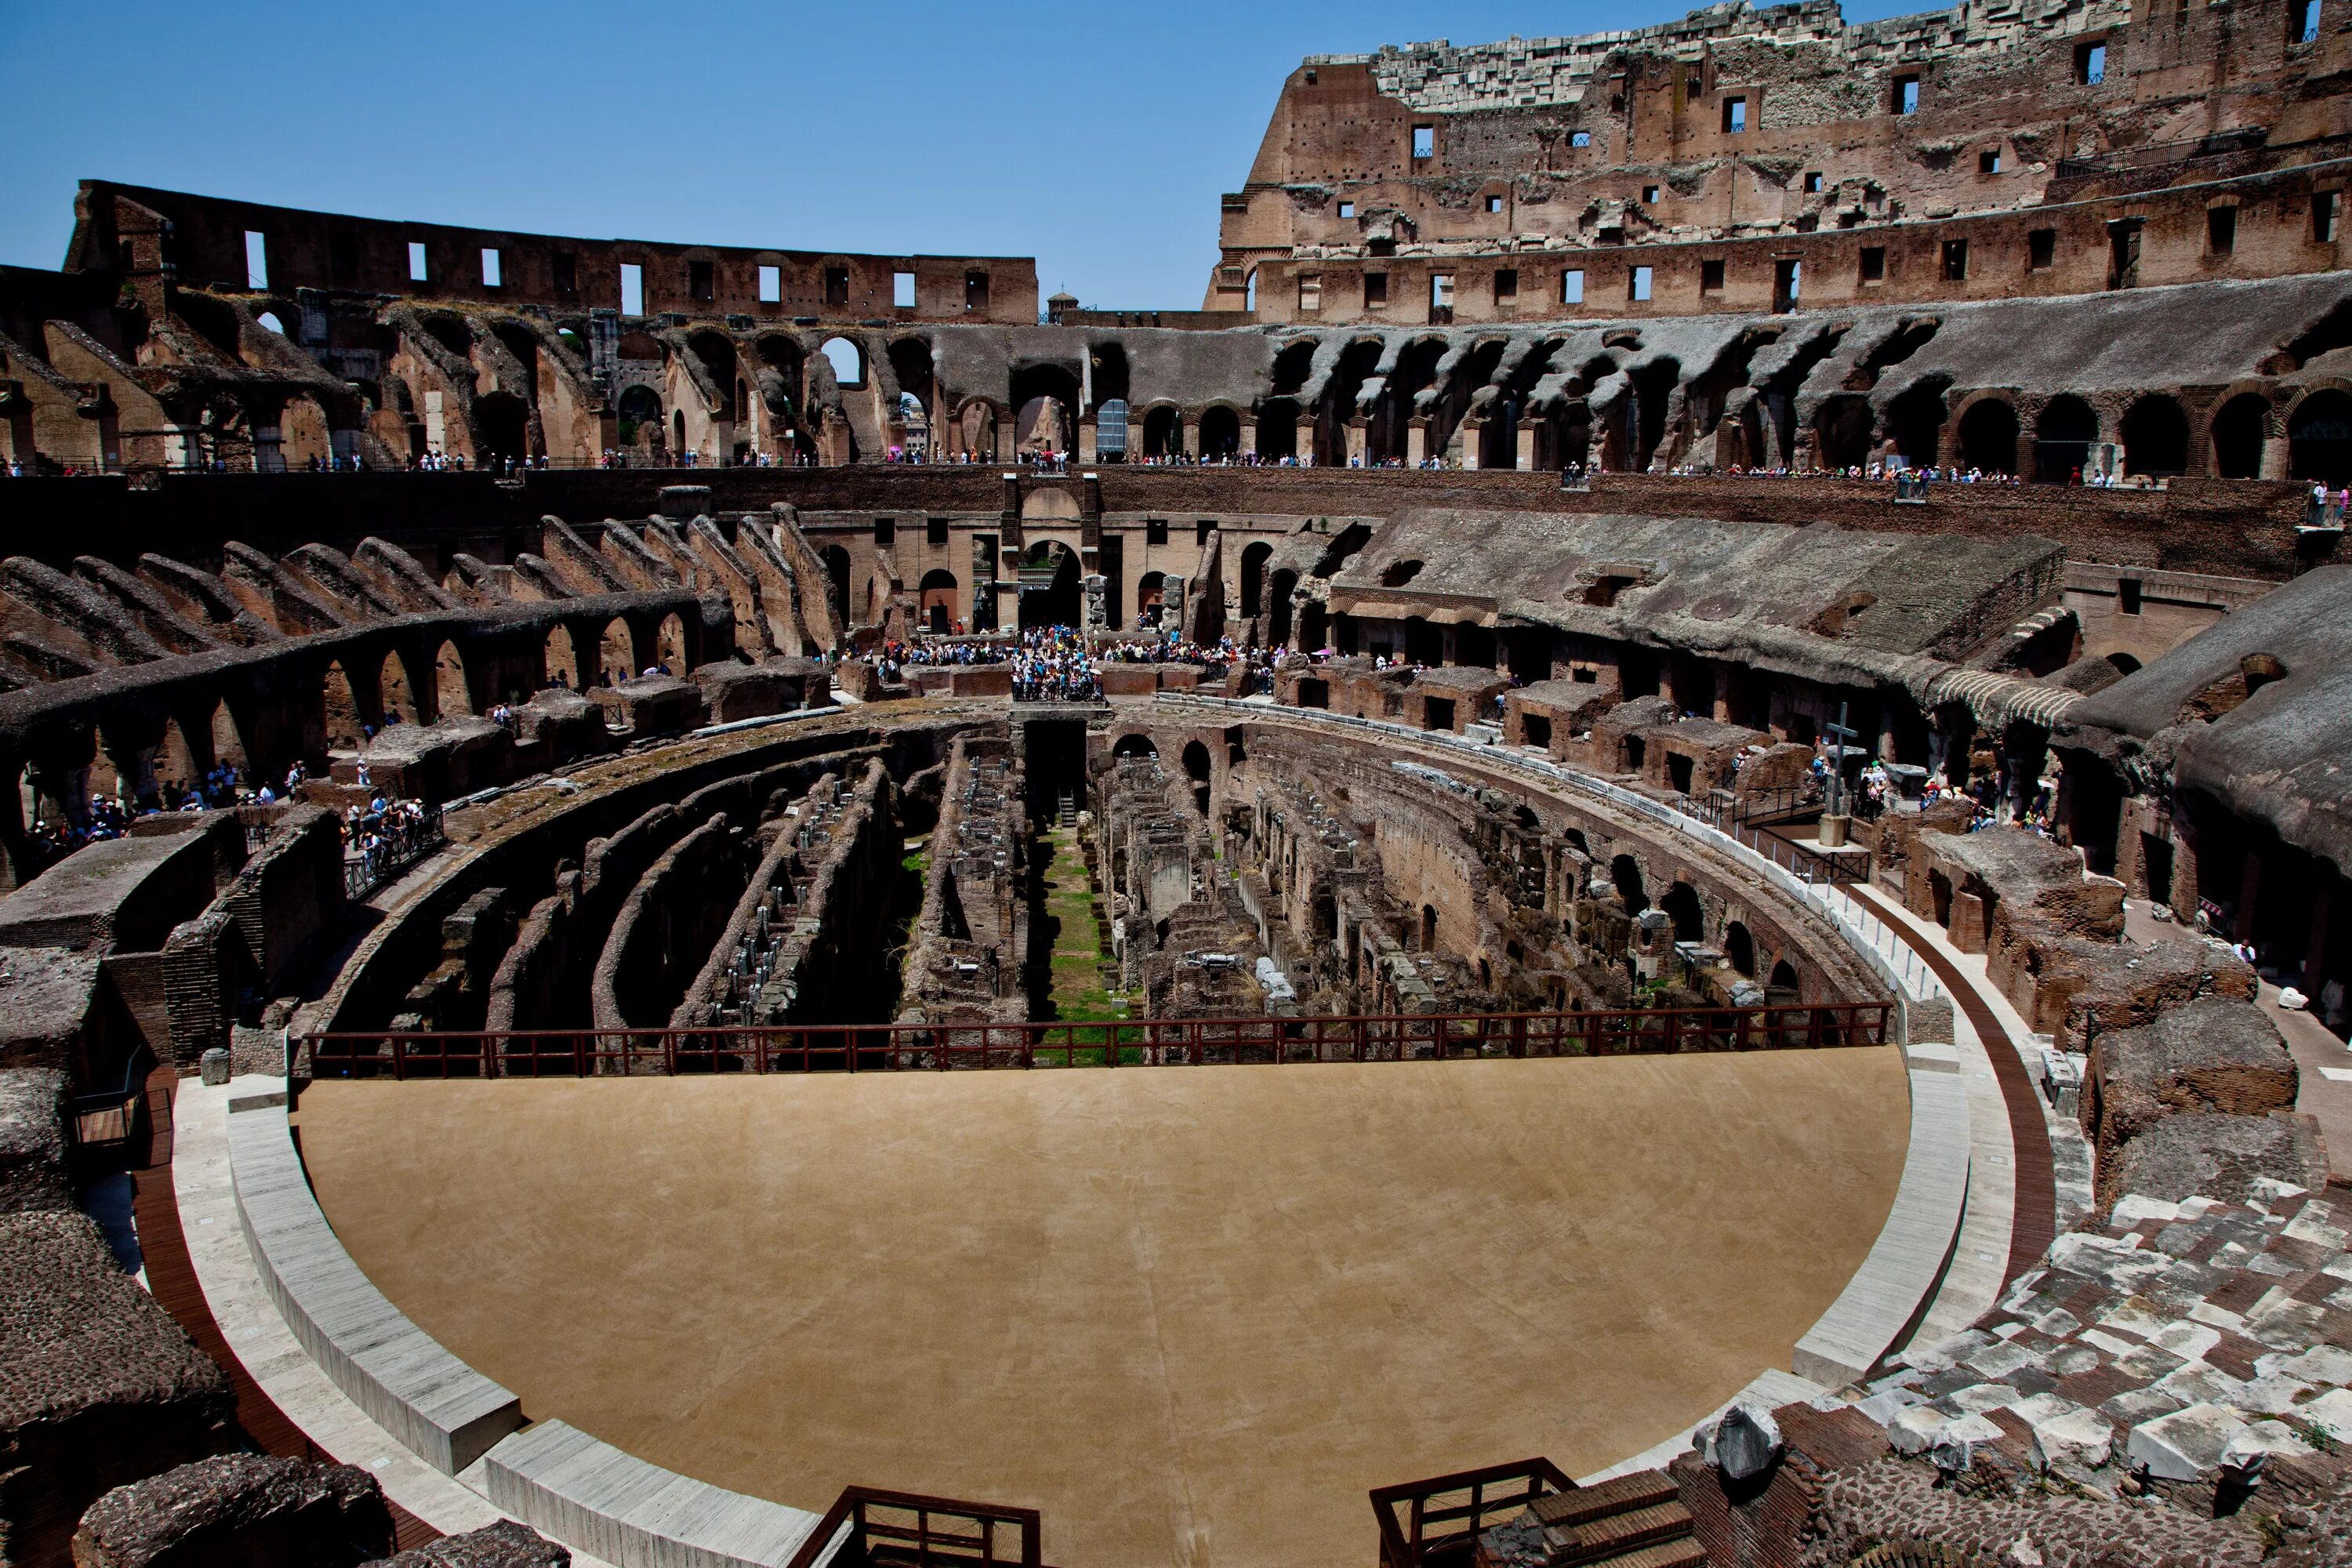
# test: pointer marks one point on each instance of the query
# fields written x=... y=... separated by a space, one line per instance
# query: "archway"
x=561 y=661
x=670 y=643
x=976 y=423
x=1625 y=873
x=1843 y=427
x=1044 y=428
x=1135 y=746
x=639 y=416
x=452 y=695
x=1049 y=586
x=1196 y=768
x=2319 y=439
x=1150 y=590
x=1988 y=437
x=1739 y=949
x=2238 y=430
x=836 y=574
x=1277 y=429
x=2155 y=437
x=1681 y=905
x=848 y=360
x=1784 y=976
x=1916 y=421
x=340 y=709
x=1278 y=592
x=2062 y=439
x=502 y=424
x=398 y=699
x=1254 y=559
x=1163 y=432
x=938 y=594
x=616 y=653
x=1220 y=433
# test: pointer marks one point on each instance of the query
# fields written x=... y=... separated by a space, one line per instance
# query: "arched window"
x=848 y=361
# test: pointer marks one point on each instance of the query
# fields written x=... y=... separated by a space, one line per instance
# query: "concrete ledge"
x=437 y=1406
x=1876 y=1311
x=598 y=1499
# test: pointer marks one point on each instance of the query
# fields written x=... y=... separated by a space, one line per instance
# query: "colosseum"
x=660 y=899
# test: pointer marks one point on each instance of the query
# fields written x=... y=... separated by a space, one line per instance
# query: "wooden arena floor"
x=1193 y=1314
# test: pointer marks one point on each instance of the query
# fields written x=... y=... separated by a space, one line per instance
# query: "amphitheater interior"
x=1638 y=860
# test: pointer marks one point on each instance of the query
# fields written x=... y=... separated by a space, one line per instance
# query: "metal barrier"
x=1439 y=1533
x=1157 y=1042
x=365 y=872
x=907 y=1530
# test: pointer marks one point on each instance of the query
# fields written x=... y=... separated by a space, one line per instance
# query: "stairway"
x=1069 y=812
x=1631 y=1522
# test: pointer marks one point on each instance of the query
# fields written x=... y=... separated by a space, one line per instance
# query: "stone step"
x=1684 y=1554
x=1597 y=1540
x=1619 y=1494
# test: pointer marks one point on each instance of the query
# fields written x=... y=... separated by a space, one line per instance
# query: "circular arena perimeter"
x=1191 y=1315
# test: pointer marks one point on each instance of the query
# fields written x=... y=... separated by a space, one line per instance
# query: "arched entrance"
x=2155 y=437
x=1988 y=437
x=1220 y=433
x=938 y=601
x=1049 y=586
x=2062 y=439
x=2319 y=439
x=1196 y=768
x=1253 y=561
x=2238 y=433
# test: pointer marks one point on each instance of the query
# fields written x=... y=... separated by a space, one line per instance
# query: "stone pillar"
x=2277 y=458
x=1356 y=440
x=1087 y=447
x=1524 y=445
x=1416 y=442
x=1188 y=436
x=1724 y=676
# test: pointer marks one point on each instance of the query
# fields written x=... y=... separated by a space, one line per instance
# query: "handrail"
x=1412 y=1544
x=949 y=1045
x=873 y=1542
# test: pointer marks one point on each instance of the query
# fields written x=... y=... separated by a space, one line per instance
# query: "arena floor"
x=1192 y=1314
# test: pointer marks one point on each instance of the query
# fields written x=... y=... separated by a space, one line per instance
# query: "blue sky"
x=1096 y=138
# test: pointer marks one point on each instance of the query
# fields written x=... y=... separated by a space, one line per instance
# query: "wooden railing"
x=1436 y=1524
x=907 y=1530
x=1185 y=1042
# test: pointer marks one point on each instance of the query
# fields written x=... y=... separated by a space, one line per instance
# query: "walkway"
x=2033 y=1224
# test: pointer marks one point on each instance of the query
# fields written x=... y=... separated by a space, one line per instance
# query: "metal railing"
x=1155 y=1042
x=1442 y=1517
x=908 y=1530
x=368 y=869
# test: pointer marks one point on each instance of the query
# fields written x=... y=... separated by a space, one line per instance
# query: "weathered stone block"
x=248 y=1510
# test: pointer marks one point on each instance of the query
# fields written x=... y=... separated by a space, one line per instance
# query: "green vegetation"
x=1078 y=955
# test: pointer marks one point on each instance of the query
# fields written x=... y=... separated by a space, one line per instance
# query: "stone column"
x=1416 y=442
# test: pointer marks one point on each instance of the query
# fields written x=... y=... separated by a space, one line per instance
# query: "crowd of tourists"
x=383 y=834
x=1053 y=665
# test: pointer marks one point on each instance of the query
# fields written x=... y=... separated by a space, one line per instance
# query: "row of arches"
x=2155 y=432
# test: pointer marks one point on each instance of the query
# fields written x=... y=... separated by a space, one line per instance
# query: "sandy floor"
x=1193 y=1314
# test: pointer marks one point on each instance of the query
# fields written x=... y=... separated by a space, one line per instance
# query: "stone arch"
x=1682 y=906
x=1625 y=873
x=670 y=645
x=2155 y=437
x=836 y=576
x=502 y=427
x=1197 y=767
x=228 y=737
x=2241 y=426
x=1135 y=743
x=1915 y=422
x=616 y=653
x=639 y=407
x=2319 y=437
x=976 y=427
x=1278 y=591
x=1277 y=428
x=397 y=697
x=848 y=360
x=2062 y=434
x=1163 y=430
x=1739 y=949
x=558 y=657
x=452 y=691
x=1784 y=976
x=1220 y=431
x=1253 y=560
x=936 y=599
x=1842 y=427
x=339 y=706
x=1988 y=436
